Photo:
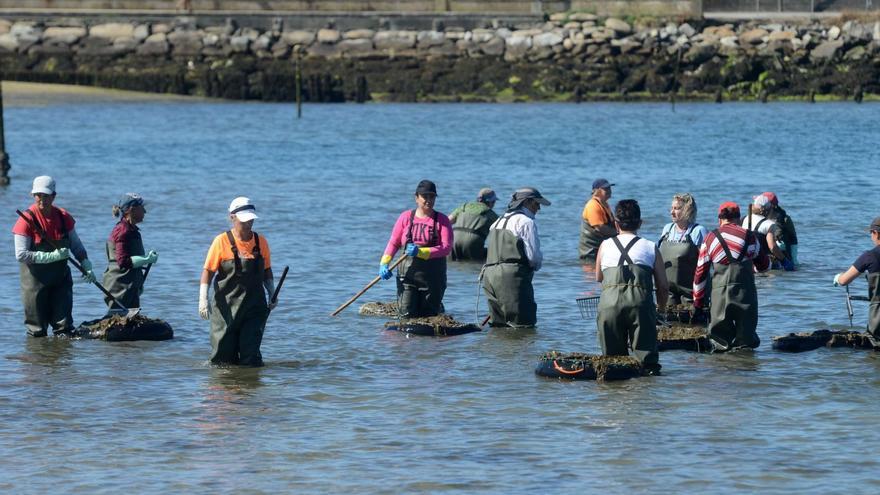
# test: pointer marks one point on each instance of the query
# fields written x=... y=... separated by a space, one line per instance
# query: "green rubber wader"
x=734 y=312
x=126 y=284
x=420 y=287
x=470 y=232
x=680 y=261
x=627 y=314
x=47 y=290
x=239 y=309
x=588 y=246
x=507 y=280
x=874 y=304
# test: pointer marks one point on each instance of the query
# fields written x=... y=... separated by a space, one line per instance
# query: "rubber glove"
x=836 y=282
x=153 y=257
x=140 y=261
x=793 y=252
x=788 y=265
x=412 y=249
x=89 y=275
x=384 y=272
x=204 y=309
x=43 y=257
x=418 y=252
x=269 y=285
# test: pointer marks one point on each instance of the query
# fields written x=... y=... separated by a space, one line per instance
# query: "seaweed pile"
x=808 y=341
x=683 y=313
x=388 y=309
x=437 y=326
x=683 y=337
x=578 y=366
x=118 y=328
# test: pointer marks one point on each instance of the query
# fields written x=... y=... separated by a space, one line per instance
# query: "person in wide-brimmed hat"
x=514 y=255
x=470 y=225
x=426 y=236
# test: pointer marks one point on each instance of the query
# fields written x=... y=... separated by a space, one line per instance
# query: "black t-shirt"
x=869 y=261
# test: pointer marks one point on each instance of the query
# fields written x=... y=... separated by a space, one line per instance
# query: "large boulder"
x=360 y=34
x=826 y=51
x=493 y=47
x=618 y=26
x=356 y=46
x=112 y=30
x=395 y=40
x=427 y=39
x=298 y=37
x=546 y=40
x=753 y=36
x=155 y=44
x=782 y=36
x=63 y=35
x=328 y=36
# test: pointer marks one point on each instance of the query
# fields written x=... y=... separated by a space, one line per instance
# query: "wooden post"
x=4 y=158
x=298 y=81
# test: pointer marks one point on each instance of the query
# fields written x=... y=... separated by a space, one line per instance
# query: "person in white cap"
x=240 y=267
x=44 y=240
x=470 y=226
x=767 y=231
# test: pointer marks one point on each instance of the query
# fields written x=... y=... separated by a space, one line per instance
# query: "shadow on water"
x=49 y=352
x=235 y=379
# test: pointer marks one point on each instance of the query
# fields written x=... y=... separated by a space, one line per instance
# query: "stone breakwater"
x=570 y=57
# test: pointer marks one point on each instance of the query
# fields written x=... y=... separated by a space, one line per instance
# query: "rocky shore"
x=569 y=57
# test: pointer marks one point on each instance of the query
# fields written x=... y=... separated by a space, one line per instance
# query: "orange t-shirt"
x=596 y=214
x=221 y=251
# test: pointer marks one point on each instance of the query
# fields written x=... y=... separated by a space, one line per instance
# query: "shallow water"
x=345 y=406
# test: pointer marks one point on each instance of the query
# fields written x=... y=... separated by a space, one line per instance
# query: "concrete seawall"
x=571 y=57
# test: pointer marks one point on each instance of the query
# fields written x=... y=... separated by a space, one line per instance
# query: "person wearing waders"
x=239 y=264
x=43 y=244
x=629 y=267
x=598 y=222
x=426 y=236
x=514 y=255
x=788 y=241
x=470 y=226
x=733 y=254
x=768 y=232
x=679 y=244
x=126 y=257
x=868 y=263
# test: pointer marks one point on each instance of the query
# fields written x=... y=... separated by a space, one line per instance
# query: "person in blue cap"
x=470 y=226
x=126 y=257
x=598 y=221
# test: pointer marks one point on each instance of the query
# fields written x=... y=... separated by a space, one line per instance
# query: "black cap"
x=602 y=184
x=426 y=187
x=875 y=225
x=524 y=193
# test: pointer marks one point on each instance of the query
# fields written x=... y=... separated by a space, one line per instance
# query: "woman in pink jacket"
x=426 y=236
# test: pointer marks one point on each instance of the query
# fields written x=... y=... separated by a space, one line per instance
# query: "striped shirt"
x=712 y=252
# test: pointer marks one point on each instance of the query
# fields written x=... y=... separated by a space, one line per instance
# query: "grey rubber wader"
x=734 y=313
x=874 y=304
x=627 y=314
x=126 y=284
x=239 y=309
x=507 y=280
x=590 y=240
x=47 y=289
x=421 y=283
x=470 y=232
x=680 y=261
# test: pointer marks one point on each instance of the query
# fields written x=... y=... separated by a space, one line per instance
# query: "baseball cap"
x=487 y=195
x=426 y=187
x=772 y=197
x=761 y=201
x=129 y=200
x=602 y=184
x=243 y=209
x=728 y=209
x=875 y=225
x=43 y=185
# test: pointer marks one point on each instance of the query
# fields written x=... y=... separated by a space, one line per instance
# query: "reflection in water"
x=48 y=352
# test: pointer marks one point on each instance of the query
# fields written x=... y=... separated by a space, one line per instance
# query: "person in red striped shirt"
x=733 y=254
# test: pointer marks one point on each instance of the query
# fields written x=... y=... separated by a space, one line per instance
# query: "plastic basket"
x=589 y=306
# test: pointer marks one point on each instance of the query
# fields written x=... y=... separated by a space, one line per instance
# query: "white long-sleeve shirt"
x=523 y=226
x=24 y=247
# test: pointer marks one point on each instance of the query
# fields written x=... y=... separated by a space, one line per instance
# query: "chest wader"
x=591 y=238
x=627 y=315
x=239 y=310
x=680 y=261
x=507 y=280
x=125 y=284
x=421 y=283
x=47 y=289
x=874 y=304
x=470 y=232
x=734 y=312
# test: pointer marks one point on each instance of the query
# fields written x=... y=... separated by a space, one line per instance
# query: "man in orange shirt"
x=241 y=261
x=598 y=223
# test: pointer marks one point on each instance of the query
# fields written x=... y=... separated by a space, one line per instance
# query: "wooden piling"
x=4 y=158
x=298 y=81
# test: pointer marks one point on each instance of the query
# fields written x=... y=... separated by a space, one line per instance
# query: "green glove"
x=153 y=257
x=89 y=275
x=140 y=261
x=42 y=257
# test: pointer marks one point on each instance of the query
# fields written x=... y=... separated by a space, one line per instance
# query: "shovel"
x=42 y=233
x=128 y=313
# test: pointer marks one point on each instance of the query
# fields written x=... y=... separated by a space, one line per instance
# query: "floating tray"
x=118 y=328
x=577 y=366
x=386 y=309
x=683 y=313
x=683 y=338
x=432 y=326
x=808 y=341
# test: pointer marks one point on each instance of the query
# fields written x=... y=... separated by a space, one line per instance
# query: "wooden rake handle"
x=365 y=289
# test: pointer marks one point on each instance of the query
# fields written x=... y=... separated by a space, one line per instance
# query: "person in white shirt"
x=514 y=255
x=768 y=232
x=629 y=268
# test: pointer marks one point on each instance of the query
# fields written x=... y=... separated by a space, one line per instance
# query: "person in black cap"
x=598 y=223
x=426 y=236
x=126 y=257
x=514 y=255
x=869 y=263
x=470 y=224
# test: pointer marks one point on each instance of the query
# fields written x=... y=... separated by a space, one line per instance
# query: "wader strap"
x=624 y=251
x=257 y=254
x=726 y=248
x=435 y=235
x=39 y=228
x=503 y=226
x=234 y=249
x=758 y=225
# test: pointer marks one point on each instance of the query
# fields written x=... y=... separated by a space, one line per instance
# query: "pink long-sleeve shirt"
x=422 y=234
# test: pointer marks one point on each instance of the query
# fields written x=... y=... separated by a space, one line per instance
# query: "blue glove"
x=384 y=272
x=412 y=250
x=788 y=265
